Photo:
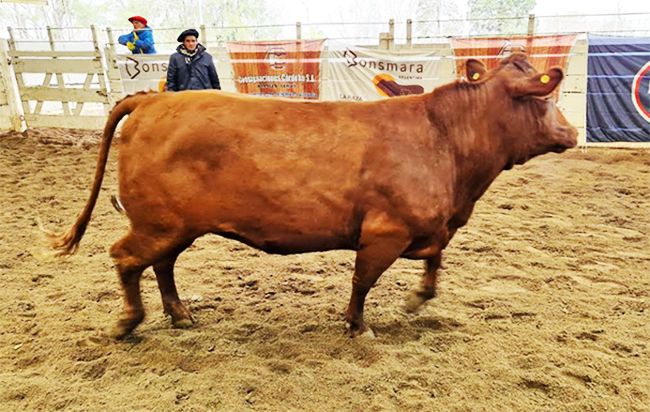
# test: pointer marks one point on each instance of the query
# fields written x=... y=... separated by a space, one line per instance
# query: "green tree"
x=434 y=17
x=499 y=16
x=167 y=17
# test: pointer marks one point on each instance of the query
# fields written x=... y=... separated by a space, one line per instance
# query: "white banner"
x=149 y=71
x=143 y=72
x=359 y=73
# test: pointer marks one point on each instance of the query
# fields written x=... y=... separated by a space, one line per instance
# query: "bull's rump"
x=269 y=172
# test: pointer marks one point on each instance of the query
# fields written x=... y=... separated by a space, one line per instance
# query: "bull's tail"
x=67 y=243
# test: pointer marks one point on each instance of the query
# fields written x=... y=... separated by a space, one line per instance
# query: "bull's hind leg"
x=427 y=289
x=382 y=241
x=133 y=254
x=164 y=269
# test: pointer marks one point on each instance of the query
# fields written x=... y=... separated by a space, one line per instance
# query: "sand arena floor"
x=544 y=303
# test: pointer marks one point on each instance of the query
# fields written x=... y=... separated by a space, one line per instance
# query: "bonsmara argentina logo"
x=353 y=60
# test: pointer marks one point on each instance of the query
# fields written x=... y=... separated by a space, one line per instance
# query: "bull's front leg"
x=382 y=241
x=428 y=286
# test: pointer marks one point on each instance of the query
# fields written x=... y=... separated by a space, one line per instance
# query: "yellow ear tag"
x=545 y=78
x=476 y=76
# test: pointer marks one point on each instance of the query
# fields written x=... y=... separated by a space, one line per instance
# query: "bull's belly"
x=292 y=243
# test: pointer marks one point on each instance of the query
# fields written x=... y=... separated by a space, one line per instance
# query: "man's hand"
x=130 y=46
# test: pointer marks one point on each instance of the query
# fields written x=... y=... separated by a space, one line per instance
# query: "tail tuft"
x=63 y=244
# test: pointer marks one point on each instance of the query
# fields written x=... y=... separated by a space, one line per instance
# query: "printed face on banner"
x=361 y=74
x=277 y=68
x=276 y=58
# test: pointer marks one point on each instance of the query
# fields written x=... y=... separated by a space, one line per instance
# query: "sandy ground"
x=544 y=304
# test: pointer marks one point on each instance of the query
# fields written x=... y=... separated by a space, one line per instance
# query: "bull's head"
x=522 y=115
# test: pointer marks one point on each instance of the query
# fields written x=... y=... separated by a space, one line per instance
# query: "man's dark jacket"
x=192 y=72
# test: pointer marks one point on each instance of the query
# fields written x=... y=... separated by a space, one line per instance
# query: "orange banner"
x=543 y=52
x=277 y=68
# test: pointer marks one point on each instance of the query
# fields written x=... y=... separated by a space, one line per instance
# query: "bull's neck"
x=459 y=113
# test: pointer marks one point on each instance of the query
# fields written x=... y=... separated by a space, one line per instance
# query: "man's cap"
x=185 y=33
x=138 y=18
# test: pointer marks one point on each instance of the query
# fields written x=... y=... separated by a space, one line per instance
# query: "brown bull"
x=388 y=179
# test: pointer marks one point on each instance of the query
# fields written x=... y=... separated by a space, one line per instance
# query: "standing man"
x=140 y=40
x=191 y=67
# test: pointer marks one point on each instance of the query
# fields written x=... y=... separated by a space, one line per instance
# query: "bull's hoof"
x=360 y=331
x=183 y=323
x=124 y=327
x=413 y=302
x=416 y=299
x=181 y=316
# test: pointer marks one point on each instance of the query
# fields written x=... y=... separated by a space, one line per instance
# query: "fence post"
x=102 y=77
x=112 y=69
x=109 y=37
x=11 y=93
x=59 y=78
x=114 y=77
x=384 y=41
x=204 y=34
x=409 y=32
x=298 y=30
x=19 y=76
x=531 y=24
x=391 y=32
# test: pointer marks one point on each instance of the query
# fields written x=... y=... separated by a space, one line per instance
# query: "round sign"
x=639 y=86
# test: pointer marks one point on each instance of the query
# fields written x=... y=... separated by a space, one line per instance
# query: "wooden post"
x=100 y=76
x=114 y=77
x=93 y=30
x=19 y=76
x=298 y=30
x=12 y=42
x=109 y=37
x=112 y=69
x=409 y=32
x=384 y=41
x=59 y=76
x=531 y=24
x=6 y=76
x=391 y=31
x=204 y=34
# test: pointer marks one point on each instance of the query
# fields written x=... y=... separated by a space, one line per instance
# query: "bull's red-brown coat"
x=389 y=179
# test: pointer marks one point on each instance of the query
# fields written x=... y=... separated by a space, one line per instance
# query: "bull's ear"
x=474 y=70
x=542 y=84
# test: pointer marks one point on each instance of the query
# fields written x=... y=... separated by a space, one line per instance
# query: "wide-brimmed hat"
x=185 y=33
x=138 y=18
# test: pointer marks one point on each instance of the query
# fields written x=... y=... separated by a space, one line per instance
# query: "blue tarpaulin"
x=618 y=89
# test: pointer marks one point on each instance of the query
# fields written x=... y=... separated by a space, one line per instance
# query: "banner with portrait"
x=277 y=68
